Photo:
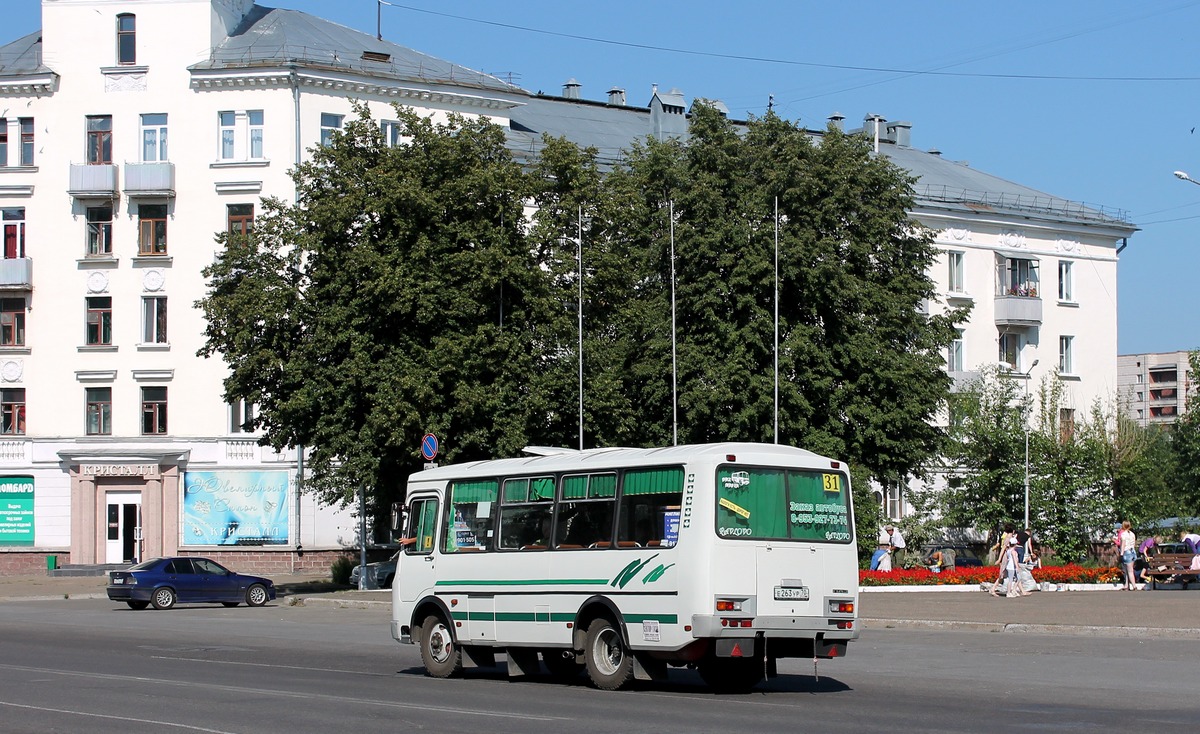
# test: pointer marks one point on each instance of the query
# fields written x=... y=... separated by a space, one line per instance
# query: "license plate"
x=789 y=593
x=118 y=581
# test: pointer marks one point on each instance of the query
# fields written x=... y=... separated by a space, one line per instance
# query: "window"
x=12 y=411
x=154 y=410
x=99 y=139
x=154 y=138
x=469 y=522
x=1066 y=361
x=99 y=411
x=755 y=503
x=13 y=222
x=1066 y=288
x=99 y=231
x=329 y=123
x=154 y=320
x=954 y=355
x=26 y=124
x=420 y=526
x=240 y=218
x=1010 y=349
x=126 y=38
x=152 y=229
x=240 y=414
x=241 y=135
x=955 y=276
x=12 y=322
x=586 y=511
x=651 y=500
x=527 y=513
x=1019 y=277
x=391 y=133
x=3 y=142
x=99 y=320
x=1066 y=424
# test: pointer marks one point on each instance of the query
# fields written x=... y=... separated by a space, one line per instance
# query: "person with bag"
x=1127 y=545
x=1008 y=571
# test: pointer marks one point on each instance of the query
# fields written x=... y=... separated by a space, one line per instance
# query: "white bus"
x=622 y=562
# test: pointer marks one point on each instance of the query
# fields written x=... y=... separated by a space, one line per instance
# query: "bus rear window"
x=756 y=503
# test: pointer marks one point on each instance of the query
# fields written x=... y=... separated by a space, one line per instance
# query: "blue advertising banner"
x=235 y=508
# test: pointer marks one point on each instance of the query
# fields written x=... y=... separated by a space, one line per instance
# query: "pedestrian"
x=1024 y=549
x=883 y=544
x=1008 y=571
x=1127 y=545
x=897 y=545
x=1191 y=541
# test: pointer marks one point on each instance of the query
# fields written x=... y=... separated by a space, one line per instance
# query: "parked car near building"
x=165 y=582
x=379 y=575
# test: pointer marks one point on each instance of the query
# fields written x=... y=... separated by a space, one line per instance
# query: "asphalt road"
x=90 y=665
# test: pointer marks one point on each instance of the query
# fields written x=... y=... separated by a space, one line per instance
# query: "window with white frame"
x=12 y=222
x=1019 y=277
x=391 y=133
x=1010 y=350
x=241 y=413
x=154 y=320
x=955 y=274
x=99 y=230
x=154 y=137
x=330 y=123
x=240 y=135
x=1066 y=360
x=1066 y=285
x=954 y=355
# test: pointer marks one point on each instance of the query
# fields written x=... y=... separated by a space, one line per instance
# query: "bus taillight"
x=841 y=607
x=729 y=605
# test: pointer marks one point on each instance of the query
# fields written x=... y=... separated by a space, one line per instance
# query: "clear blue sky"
x=1083 y=135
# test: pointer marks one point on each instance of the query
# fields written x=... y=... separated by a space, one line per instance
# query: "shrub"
x=340 y=569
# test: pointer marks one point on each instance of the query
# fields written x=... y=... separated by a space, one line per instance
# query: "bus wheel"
x=609 y=662
x=561 y=663
x=731 y=675
x=439 y=651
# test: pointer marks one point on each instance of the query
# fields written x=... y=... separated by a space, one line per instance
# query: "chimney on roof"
x=616 y=96
x=836 y=119
x=901 y=132
x=571 y=89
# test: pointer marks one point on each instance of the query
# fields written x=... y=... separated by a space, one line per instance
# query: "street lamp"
x=1182 y=175
x=1026 y=416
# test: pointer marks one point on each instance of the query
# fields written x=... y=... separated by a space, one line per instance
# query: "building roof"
x=273 y=37
x=23 y=56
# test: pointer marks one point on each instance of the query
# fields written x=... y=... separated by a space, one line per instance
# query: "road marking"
x=118 y=718
x=289 y=694
x=273 y=665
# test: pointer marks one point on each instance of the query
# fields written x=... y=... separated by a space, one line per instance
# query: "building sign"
x=235 y=508
x=148 y=471
x=16 y=511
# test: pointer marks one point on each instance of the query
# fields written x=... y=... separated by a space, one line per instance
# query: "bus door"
x=416 y=573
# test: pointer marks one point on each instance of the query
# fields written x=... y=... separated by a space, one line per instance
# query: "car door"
x=182 y=575
x=217 y=582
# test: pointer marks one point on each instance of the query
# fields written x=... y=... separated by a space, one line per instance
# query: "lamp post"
x=1026 y=417
x=1182 y=175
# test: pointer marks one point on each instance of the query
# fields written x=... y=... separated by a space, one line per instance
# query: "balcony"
x=150 y=179
x=96 y=182
x=16 y=273
x=1018 y=311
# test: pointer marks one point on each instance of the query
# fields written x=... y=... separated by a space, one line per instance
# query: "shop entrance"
x=124 y=527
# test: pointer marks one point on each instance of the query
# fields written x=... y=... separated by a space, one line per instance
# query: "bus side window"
x=469 y=522
x=650 y=502
x=422 y=523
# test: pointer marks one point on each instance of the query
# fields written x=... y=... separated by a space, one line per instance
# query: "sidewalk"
x=1171 y=614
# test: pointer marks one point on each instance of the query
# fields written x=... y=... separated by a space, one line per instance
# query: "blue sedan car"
x=165 y=582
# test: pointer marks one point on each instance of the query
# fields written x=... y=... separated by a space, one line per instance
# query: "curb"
x=1174 y=633
x=317 y=601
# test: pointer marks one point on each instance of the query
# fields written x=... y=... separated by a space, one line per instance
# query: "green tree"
x=398 y=295
x=1185 y=446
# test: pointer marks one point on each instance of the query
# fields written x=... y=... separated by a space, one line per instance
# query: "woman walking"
x=1008 y=570
x=1127 y=544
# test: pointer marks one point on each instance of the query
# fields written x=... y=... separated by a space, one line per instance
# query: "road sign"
x=429 y=447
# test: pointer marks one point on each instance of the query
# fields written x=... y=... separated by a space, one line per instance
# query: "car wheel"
x=609 y=662
x=230 y=603
x=256 y=595
x=439 y=650
x=136 y=604
x=163 y=598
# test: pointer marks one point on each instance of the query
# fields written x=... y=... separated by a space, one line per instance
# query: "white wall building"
x=131 y=132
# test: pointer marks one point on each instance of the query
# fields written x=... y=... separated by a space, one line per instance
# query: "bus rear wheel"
x=609 y=662
x=439 y=651
x=731 y=675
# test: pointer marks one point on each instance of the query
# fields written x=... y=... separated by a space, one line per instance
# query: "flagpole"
x=674 y=357
x=776 y=319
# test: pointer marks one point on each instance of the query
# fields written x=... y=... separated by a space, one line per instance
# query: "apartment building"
x=1156 y=387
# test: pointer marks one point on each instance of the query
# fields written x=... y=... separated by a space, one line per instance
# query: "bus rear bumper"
x=782 y=628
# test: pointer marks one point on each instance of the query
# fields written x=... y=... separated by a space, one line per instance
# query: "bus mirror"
x=397 y=516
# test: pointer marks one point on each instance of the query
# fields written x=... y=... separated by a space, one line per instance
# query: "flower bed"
x=1068 y=574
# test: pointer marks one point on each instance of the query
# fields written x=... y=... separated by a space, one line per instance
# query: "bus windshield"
x=761 y=503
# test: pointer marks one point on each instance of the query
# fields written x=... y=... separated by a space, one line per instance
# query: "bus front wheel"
x=439 y=651
x=609 y=662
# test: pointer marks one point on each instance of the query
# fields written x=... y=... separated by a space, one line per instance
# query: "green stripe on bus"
x=523 y=582
x=553 y=617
